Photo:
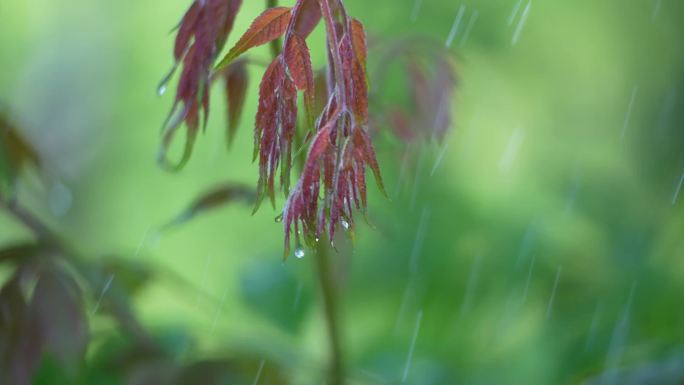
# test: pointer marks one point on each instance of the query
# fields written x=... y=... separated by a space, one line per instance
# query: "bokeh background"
x=541 y=243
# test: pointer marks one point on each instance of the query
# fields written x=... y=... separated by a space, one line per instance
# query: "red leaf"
x=308 y=14
x=57 y=311
x=201 y=35
x=270 y=25
x=358 y=34
x=186 y=30
x=236 y=82
x=299 y=66
x=217 y=197
x=362 y=143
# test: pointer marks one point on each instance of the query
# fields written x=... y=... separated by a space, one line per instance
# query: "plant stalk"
x=324 y=270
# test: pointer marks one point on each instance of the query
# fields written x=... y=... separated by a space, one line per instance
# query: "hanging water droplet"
x=317 y=239
x=161 y=90
x=345 y=224
x=299 y=252
x=279 y=218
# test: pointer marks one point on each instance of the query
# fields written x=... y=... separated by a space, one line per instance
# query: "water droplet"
x=161 y=90
x=299 y=252
x=279 y=218
x=317 y=239
x=345 y=224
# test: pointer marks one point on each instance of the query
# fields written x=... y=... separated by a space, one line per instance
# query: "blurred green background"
x=542 y=243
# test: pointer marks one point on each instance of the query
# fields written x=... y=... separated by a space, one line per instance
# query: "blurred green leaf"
x=273 y=292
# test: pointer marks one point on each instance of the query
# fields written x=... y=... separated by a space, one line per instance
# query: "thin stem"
x=27 y=219
x=333 y=46
x=330 y=304
x=275 y=43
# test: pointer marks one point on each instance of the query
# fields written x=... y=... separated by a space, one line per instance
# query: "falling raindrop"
x=414 y=338
x=668 y=109
x=512 y=149
x=298 y=296
x=455 y=25
x=514 y=13
x=593 y=328
x=417 y=179
x=678 y=190
x=205 y=271
x=527 y=242
x=258 y=375
x=420 y=239
x=521 y=23
x=299 y=252
x=617 y=342
x=628 y=114
x=529 y=279
x=472 y=285
x=440 y=158
x=416 y=9
x=469 y=28
x=656 y=9
x=105 y=288
x=553 y=293
x=219 y=310
x=405 y=299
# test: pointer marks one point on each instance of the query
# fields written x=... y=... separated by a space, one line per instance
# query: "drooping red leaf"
x=363 y=144
x=212 y=199
x=186 y=29
x=355 y=80
x=236 y=83
x=299 y=67
x=270 y=25
x=301 y=207
x=201 y=35
x=275 y=127
x=358 y=34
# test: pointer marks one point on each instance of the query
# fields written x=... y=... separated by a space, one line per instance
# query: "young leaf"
x=270 y=25
x=362 y=142
x=236 y=82
x=299 y=67
x=308 y=15
x=201 y=35
x=358 y=34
